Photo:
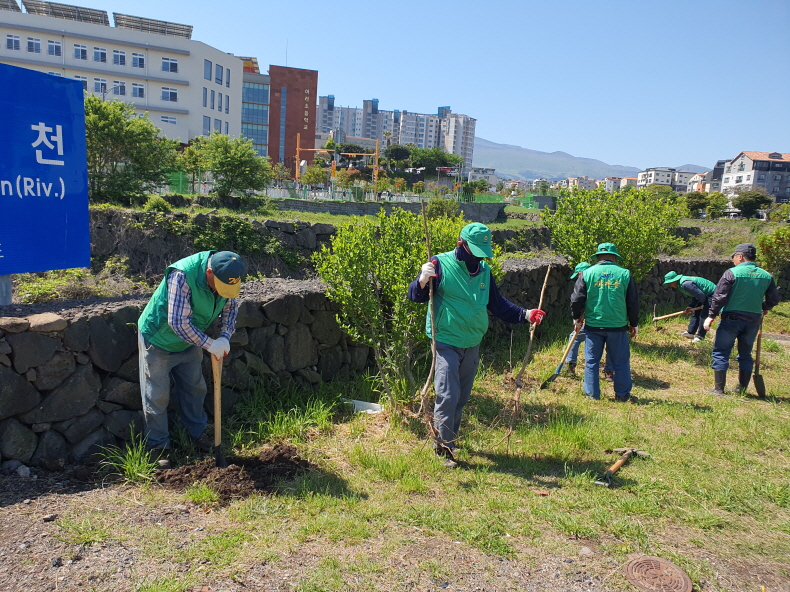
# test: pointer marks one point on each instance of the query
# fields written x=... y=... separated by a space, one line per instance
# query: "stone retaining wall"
x=69 y=374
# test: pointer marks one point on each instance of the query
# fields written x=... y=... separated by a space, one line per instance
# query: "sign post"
x=43 y=175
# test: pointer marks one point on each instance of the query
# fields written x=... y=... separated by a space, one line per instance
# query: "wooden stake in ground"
x=515 y=403
x=426 y=412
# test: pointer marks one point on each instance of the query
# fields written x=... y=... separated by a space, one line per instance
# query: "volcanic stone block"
x=111 y=342
x=308 y=375
x=325 y=328
x=13 y=324
x=17 y=395
x=46 y=322
x=122 y=392
x=51 y=373
x=78 y=393
x=255 y=365
x=285 y=310
x=5 y=347
x=300 y=350
x=274 y=353
x=330 y=362
x=130 y=369
x=359 y=357
x=305 y=238
x=235 y=375
x=76 y=429
x=17 y=441
x=239 y=338
x=124 y=423
x=31 y=349
x=249 y=315
x=90 y=449
x=77 y=336
x=315 y=301
x=325 y=229
x=52 y=450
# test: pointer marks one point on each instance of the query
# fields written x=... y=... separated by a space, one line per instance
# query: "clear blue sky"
x=631 y=82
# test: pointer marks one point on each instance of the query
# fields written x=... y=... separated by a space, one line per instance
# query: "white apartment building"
x=677 y=180
x=458 y=135
x=612 y=184
x=578 y=183
x=476 y=173
x=419 y=129
x=628 y=182
x=187 y=87
x=697 y=182
x=769 y=170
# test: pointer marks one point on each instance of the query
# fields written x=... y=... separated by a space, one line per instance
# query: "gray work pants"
x=456 y=368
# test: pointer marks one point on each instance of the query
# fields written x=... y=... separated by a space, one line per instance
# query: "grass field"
x=379 y=512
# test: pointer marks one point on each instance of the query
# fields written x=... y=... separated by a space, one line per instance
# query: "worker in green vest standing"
x=605 y=302
x=464 y=294
x=743 y=295
x=699 y=290
x=194 y=292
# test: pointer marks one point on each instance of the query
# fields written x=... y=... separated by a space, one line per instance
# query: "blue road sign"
x=43 y=173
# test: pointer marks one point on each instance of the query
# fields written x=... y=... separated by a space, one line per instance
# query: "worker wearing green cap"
x=606 y=303
x=580 y=336
x=464 y=294
x=194 y=292
x=699 y=290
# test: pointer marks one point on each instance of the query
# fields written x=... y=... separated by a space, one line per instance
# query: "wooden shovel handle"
x=620 y=462
x=676 y=314
x=216 y=370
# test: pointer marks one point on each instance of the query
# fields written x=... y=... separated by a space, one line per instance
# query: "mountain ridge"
x=525 y=163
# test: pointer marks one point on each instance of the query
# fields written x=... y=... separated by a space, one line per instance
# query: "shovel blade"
x=759 y=385
x=548 y=381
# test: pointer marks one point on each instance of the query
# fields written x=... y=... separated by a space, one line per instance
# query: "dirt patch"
x=242 y=477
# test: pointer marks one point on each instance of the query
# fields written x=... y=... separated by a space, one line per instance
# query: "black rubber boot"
x=744 y=378
x=719 y=381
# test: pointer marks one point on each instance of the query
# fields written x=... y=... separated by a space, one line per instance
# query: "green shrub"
x=157 y=203
x=442 y=207
x=774 y=250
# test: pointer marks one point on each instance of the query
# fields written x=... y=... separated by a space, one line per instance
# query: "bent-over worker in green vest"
x=464 y=293
x=743 y=295
x=605 y=296
x=194 y=292
x=699 y=290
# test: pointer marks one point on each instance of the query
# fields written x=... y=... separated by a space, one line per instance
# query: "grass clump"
x=83 y=531
x=132 y=463
x=202 y=494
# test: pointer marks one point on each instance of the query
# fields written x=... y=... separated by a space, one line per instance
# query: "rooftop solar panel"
x=10 y=5
x=66 y=11
x=138 y=23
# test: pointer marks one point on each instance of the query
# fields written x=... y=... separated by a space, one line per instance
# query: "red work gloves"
x=534 y=316
x=633 y=332
x=688 y=310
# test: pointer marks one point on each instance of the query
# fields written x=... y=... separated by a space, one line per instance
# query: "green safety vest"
x=748 y=292
x=607 y=284
x=461 y=303
x=205 y=305
x=706 y=286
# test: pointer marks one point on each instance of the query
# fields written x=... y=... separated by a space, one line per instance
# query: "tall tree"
x=717 y=204
x=748 y=202
x=190 y=161
x=313 y=175
x=126 y=156
x=280 y=173
x=696 y=201
x=235 y=165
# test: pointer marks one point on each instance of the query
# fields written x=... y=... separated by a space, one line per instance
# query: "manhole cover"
x=654 y=574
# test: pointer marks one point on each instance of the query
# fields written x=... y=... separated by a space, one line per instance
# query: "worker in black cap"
x=743 y=295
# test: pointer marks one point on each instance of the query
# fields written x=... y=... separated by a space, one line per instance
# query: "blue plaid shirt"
x=179 y=312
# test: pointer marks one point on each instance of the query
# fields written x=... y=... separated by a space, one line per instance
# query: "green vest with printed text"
x=461 y=303
x=607 y=284
x=706 y=286
x=205 y=305
x=748 y=292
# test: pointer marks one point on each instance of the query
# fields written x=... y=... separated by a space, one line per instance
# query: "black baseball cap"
x=746 y=249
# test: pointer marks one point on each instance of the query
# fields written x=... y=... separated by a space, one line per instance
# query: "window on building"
x=138 y=60
x=167 y=119
x=207 y=69
x=84 y=80
x=205 y=97
x=138 y=90
x=775 y=190
x=33 y=45
x=100 y=55
x=227 y=104
x=787 y=190
x=748 y=177
x=206 y=125
x=259 y=134
x=729 y=169
x=218 y=125
x=226 y=129
x=54 y=48
x=252 y=92
x=218 y=74
x=170 y=94
x=118 y=57
x=99 y=85
x=255 y=113
x=12 y=42
x=213 y=96
x=739 y=179
x=726 y=179
x=761 y=177
x=227 y=78
x=777 y=177
x=169 y=65
x=119 y=88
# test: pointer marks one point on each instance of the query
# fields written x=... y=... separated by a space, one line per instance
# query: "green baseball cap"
x=478 y=237
x=670 y=277
x=580 y=267
x=608 y=249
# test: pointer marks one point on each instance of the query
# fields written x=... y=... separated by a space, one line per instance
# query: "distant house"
x=612 y=184
x=628 y=182
x=673 y=178
x=714 y=182
x=489 y=175
x=697 y=182
x=769 y=170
